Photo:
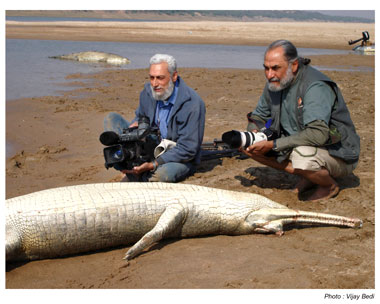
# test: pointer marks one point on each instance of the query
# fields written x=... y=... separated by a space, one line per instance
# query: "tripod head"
x=364 y=38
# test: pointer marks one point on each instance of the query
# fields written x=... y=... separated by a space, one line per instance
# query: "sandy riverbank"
x=302 y=34
x=57 y=144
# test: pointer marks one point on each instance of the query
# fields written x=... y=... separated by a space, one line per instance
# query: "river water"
x=31 y=73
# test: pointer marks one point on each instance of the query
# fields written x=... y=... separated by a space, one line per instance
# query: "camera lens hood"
x=232 y=138
x=109 y=138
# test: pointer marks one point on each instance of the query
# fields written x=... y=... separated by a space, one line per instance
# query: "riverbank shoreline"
x=302 y=34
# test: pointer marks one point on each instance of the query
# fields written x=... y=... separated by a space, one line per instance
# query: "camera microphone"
x=109 y=138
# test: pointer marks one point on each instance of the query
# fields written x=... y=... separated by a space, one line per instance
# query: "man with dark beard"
x=316 y=138
x=178 y=112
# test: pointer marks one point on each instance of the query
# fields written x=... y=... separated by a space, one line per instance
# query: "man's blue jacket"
x=185 y=125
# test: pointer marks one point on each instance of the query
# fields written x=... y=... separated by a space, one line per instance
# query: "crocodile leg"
x=171 y=219
x=276 y=227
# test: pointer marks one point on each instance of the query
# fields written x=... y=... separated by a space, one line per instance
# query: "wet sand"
x=56 y=141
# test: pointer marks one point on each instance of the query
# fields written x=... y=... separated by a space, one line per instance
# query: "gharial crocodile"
x=94 y=56
x=75 y=219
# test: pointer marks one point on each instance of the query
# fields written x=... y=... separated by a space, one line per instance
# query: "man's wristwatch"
x=154 y=165
x=275 y=145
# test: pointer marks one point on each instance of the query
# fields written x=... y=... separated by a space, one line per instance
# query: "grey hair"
x=290 y=51
x=170 y=60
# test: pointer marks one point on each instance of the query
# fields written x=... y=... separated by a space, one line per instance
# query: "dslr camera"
x=133 y=147
x=236 y=139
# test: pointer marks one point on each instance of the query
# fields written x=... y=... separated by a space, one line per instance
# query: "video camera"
x=133 y=147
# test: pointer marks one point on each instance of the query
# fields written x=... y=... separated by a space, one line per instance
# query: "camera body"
x=237 y=139
x=133 y=147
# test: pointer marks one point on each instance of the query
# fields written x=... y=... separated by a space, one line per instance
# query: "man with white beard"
x=316 y=138
x=178 y=112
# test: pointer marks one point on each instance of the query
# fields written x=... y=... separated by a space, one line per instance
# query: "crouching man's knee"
x=315 y=158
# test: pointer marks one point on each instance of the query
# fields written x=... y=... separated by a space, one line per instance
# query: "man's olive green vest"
x=347 y=147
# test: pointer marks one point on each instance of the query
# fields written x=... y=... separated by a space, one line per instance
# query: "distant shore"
x=302 y=34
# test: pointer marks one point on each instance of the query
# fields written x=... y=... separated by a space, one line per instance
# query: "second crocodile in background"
x=93 y=56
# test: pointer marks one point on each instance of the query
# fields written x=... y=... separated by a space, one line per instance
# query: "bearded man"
x=316 y=138
x=179 y=114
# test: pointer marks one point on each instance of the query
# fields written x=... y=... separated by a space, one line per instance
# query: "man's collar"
x=297 y=76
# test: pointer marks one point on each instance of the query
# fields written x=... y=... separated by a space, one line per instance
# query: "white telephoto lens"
x=260 y=136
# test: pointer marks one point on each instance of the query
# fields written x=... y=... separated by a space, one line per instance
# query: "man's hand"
x=134 y=124
x=260 y=148
x=139 y=169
